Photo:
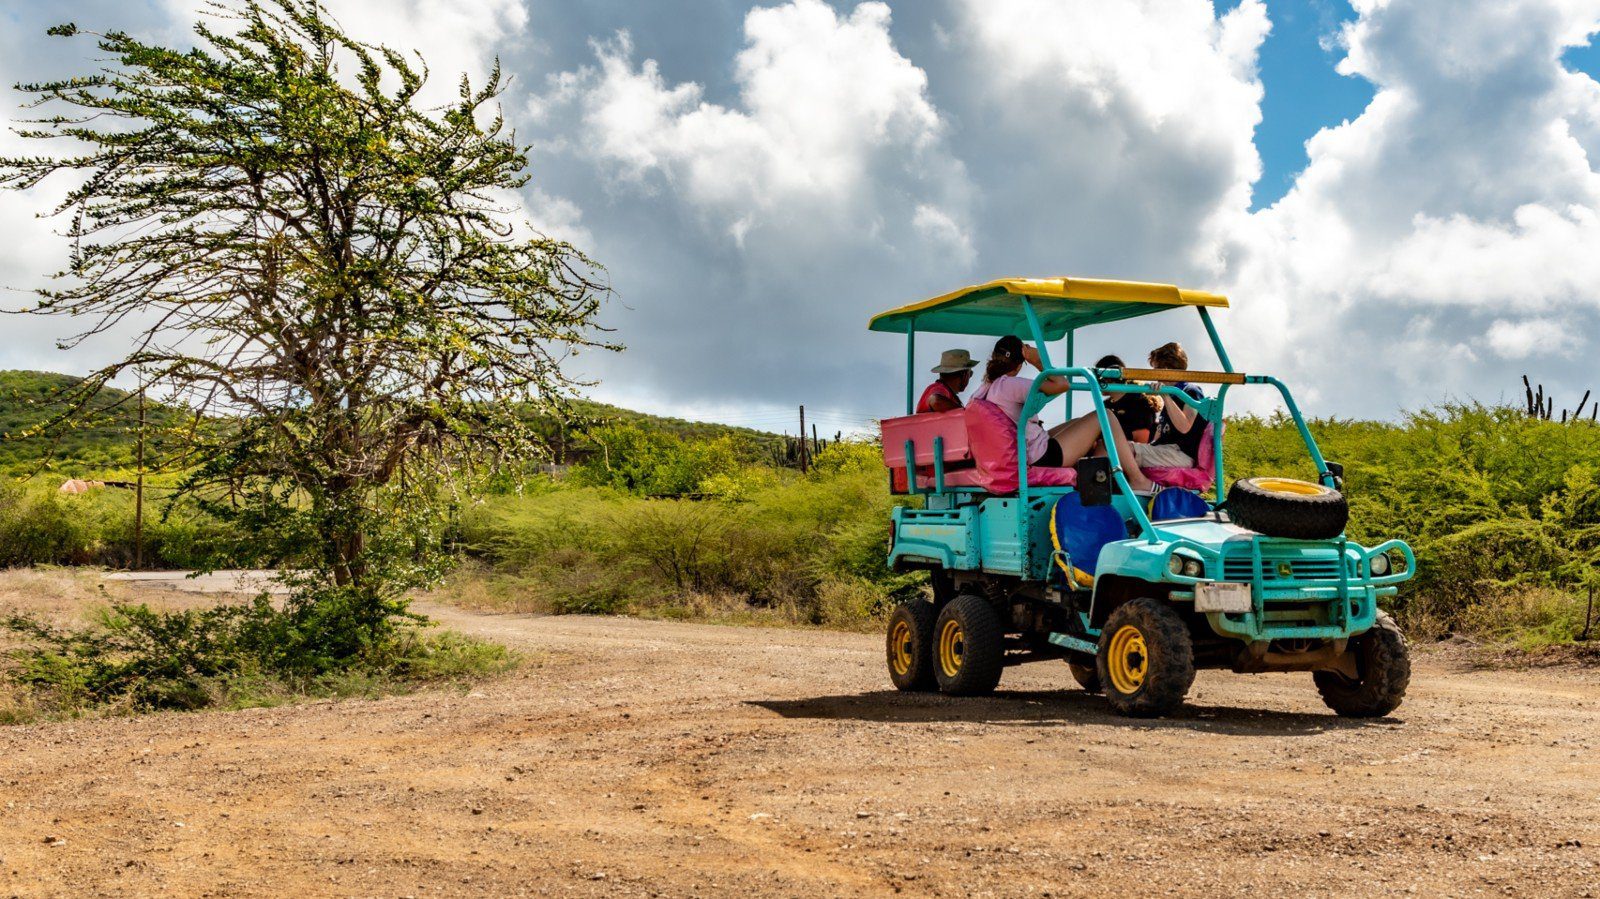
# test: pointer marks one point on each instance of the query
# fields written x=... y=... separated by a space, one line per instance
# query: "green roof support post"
x=1022 y=429
x=1072 y=360
x=1037 y=332
x=1222 y=393
x=1216 y=442
x=1216 y=341
x=911 y=367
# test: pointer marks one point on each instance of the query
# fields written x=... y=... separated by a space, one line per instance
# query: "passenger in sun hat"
x=955 y=373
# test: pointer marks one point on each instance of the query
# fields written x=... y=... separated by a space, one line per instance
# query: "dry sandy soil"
x=639 y=758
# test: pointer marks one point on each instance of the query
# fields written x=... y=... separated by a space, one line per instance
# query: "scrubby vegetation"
x=1503 y=511
x=40 y=525
x=98 y=445
x=766 y=543
x=72 y=645
x=133 y=658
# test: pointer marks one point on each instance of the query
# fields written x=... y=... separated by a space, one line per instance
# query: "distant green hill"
x=103 y=446
x=759 y=445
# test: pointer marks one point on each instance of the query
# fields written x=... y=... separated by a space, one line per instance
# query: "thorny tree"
x=308 y=254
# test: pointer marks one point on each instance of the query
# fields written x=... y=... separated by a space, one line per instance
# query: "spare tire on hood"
x=1283 y=507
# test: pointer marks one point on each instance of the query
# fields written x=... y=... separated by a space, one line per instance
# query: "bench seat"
x=979 y=446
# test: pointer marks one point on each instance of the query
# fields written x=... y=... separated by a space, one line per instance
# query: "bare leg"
x=1078 y=437
x=1129 y=462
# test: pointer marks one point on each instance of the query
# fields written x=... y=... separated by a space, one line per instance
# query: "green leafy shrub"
x=135 y=658
x=40 y=526
x=849 y=456
x=781 y=542
x=653 y=463
x=47 y=528
x=1495 y=504
x=1528 y=618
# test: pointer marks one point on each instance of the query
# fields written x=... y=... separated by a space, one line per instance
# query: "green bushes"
x=133 y=658
x=41 y=526
x=653 y=463
x=805 y=548
x=1502 y=511
x=1500 y=508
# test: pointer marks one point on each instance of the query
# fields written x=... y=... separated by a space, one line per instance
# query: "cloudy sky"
x=1399 y=196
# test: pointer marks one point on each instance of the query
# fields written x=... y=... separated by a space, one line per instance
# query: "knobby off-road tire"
x=1283 y=507
x=1384 y=663
x=968 y=647
x=910 y=646
x=1087 y=676
x=1146 y=660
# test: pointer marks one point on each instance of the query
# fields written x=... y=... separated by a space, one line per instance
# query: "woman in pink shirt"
x=1062 y=446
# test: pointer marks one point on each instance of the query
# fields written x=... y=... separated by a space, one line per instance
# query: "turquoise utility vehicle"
x=1135 y=591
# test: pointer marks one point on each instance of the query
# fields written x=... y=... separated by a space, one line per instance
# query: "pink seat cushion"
x=1203 y=475
x=922 y=430
x=960 y=477
x=992 y=436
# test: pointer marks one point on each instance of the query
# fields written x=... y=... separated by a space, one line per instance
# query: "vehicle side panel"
x=999 y=538
x=946 y=537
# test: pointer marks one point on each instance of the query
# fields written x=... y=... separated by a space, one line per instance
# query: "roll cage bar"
x=1091 y=381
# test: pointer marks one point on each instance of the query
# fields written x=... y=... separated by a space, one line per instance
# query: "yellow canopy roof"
x=1062 y=304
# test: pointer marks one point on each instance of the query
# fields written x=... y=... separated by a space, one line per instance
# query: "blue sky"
x=760 y=176
x=1304 y=93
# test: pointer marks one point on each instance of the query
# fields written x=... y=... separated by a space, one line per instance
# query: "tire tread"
x=1320 y=517
x=983 y=655
x=920 y=678
x=1386 y=653
x=1162 y=691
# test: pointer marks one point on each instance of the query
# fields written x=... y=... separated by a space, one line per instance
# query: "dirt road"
x=639 y=758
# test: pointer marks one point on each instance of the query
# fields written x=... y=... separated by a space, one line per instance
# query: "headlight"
x=1379 y=564
x=1185 y=566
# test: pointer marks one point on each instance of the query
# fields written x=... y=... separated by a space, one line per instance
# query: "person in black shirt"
x=1135 y=411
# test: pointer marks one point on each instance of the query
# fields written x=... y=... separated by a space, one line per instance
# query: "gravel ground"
x=645 y=758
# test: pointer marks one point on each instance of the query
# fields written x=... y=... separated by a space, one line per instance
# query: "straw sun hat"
x=954 y=361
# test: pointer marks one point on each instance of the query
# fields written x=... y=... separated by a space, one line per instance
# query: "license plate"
x=1222 y=597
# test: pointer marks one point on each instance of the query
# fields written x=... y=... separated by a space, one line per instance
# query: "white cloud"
x=1460 y=203
x=1537 y=258
x=1060 y=138
x=1114 y=138
x=1531 y=337
x=938 y=228
x=833 y=121
x=749 y=236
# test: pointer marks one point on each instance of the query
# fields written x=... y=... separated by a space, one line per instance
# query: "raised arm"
x=1053 y=385
x=1181 y=415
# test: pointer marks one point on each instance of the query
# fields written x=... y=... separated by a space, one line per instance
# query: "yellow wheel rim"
x=1290 y=486
x=1126 y=659
x=952 y=643
x=900 y=647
